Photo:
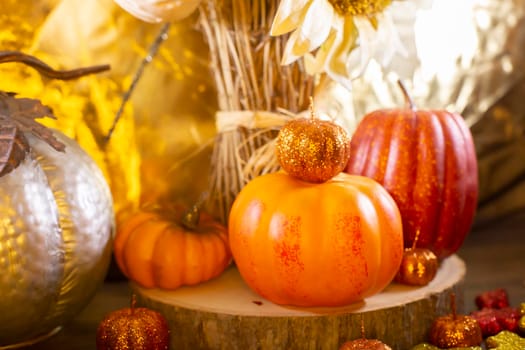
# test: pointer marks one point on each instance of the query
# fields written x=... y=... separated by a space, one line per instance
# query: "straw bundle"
x=253 y=90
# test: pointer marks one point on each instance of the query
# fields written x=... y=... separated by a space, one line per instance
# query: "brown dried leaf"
x=17 y=115
x=13 y=148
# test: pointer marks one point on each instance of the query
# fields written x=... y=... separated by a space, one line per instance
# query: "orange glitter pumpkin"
x=311 y=149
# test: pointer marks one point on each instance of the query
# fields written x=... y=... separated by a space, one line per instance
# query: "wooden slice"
x=225 y=314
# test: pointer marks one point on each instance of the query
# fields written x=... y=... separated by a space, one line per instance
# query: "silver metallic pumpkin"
x=56 y=227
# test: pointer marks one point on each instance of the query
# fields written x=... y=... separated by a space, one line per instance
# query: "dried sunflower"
x=338 y=37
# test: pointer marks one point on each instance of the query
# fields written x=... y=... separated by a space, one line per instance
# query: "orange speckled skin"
x=304 y=244
x=427 y=162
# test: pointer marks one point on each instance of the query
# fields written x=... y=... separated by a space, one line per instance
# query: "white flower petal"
x=288 y=55
x=311 y=64
x=289 y=16
x=344 y=80
x=316 y=24
x=423 y=4
x=331 y=57
x=356 y=62
x=344 y=45
x=316 y=64
x=388 y=40
x=361 y=55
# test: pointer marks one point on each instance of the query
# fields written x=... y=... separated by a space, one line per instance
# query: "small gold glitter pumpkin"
x=418 y=267
x=364 y=344
x=133 y=328
x=455 y=330
x=312 y=150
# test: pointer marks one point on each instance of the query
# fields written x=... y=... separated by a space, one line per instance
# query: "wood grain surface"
x=494 y=254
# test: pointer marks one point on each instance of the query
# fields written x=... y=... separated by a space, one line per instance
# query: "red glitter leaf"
x=495 y=299
x=492 y=321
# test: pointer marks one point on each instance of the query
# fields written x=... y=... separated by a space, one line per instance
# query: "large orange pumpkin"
x=161 y=249
x=427 y=162
x=306 y=244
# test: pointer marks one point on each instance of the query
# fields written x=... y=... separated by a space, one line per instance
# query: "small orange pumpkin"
x=170 y=248
x=306 y=244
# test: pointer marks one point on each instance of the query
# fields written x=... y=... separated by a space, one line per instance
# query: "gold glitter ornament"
x=455 y=330
x=133 y=329
x=364 y=344
x=418 y=267
x=312 y=150
x=506 y=340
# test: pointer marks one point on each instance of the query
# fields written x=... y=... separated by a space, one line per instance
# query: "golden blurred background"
x=161 y=146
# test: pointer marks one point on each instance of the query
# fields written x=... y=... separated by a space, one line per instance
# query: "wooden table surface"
x=494 y=254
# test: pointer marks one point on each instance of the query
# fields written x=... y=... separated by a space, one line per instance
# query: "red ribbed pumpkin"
x=426 y=160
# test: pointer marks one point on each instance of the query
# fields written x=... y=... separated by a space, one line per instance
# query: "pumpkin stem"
x=453 y=305
x=363 y=327
x=190 y=218
x=312 y=109
x=415 y=240
x=133 y=304
x=408 y=98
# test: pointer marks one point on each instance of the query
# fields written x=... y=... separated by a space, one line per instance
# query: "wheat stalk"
x=245 y=62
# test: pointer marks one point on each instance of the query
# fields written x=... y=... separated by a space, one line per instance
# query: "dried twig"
x=161 y=37
x=46 y=70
